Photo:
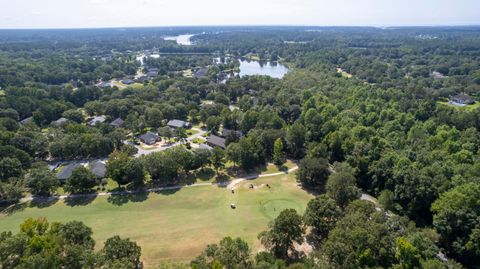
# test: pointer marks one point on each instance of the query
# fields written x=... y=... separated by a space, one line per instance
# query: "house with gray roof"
x=149 y=138
x=60 y=122
x=98 y=168
x=66 y=171
x=26 y=120
x=215 y=141
x=178 y=124
x=201 y=73
x=227 y=132
x=117 y=123
x=97 y=119
x=461 y=99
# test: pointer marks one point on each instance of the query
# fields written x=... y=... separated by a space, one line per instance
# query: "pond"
x=180 y=39
x=262 y=68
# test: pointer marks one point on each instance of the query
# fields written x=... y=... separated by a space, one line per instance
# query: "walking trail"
x=228 y=184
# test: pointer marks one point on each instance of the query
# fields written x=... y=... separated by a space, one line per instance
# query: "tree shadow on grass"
x=168 y=192
x=121 y=199
x=205 y=174
x=80 y=200
x=11 y=209
x=42 y=202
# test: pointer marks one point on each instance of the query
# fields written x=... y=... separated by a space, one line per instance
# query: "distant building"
x=437 y=75
x=128 y=81
x=227 y=132
x=26 y=120
x=98 y=168
x=178 y=124
x=66 y=171
x=152 y=74
x=97 y=119
x=60 y=122
x=104 y=84
x=149 y=138
x=117 y=123
x=141 y=79
x=462 y=99
x=151 y=69
x=201 y=73
x=215 y=141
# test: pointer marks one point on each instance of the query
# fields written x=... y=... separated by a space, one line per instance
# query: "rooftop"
x=178 y=123
x=216 y=141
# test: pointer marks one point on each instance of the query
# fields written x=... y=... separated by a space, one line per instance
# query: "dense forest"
x=363 y=110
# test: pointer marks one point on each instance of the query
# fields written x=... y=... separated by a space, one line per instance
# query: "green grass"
x=177 y=225
x=198 y=140
x=191 y=132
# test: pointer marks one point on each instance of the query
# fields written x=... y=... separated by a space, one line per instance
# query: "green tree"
x=342 y=188
x=81 y=181
x=407 y=254
x=313 y=172
x=322 y=214
x=285 y=230
x=123 y=251
x=10 y=167
x=278 y=158
x=296 y=138
x=233 y=153
x=77 y=233
x=218 y=158
x=181 y=134
x=115 y=166
x=456 y=215
x=41 y=181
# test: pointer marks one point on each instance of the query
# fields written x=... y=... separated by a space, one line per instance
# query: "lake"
x=180 y=39
x=271 y=69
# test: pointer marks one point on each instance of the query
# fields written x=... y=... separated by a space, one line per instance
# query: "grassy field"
x=176 y=225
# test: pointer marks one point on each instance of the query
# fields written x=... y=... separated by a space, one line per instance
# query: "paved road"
x=142 y=151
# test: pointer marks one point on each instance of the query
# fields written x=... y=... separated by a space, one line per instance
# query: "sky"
x=134 y=13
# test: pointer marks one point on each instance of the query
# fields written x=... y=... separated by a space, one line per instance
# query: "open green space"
x=175 y=225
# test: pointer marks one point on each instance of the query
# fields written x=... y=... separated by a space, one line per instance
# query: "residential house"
x=227 y=132
x=60 y=122
x=462 y=99
x=179 y=124
x=149 y=138
x=97 y=119
x=128 y=81
x=98 y=168
x=26 y=120
x=201 y=73
x=117 y=123
x=215 y=141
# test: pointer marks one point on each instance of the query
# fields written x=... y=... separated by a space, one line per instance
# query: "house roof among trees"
x=98 y=168
x=216 y=141
x=462 y=98
x=97 y=119
x=177 y=123
x=117 y=123
x=67 y=170
x=202 y=72
x=149 y=138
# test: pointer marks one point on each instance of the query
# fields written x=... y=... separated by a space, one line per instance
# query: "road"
x=142 y=151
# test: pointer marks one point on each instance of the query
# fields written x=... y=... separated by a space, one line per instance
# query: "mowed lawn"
x=177 y=225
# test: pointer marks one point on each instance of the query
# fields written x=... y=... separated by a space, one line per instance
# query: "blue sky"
x=124 y=13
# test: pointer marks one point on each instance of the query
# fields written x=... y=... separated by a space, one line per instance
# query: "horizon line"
x=247 y=25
